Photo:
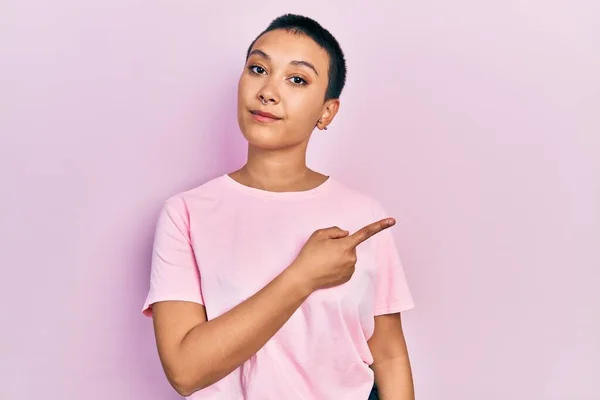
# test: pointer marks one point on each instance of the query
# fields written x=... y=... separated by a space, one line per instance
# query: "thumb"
x=334 y=233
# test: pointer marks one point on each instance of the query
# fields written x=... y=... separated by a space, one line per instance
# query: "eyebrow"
x=295 y=62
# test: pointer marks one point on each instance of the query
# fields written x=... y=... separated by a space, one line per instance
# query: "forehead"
x=285 y=46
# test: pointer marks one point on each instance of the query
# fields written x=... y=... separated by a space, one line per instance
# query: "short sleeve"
x=174 y=274
x=392 y=292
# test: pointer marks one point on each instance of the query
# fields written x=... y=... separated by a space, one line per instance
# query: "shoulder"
x=198 y=197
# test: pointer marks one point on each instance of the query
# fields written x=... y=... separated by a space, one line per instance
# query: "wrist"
x=298 y=281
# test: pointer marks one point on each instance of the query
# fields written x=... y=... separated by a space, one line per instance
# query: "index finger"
x=368 y=231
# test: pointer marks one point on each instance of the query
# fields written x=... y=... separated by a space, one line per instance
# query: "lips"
x=264 y=116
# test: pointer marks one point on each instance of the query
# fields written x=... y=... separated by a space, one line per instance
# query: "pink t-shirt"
x=222 y=242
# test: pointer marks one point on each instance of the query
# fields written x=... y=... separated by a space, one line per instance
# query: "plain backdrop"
x=476 y=124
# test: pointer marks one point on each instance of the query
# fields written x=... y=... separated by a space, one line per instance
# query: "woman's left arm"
x=391 y=364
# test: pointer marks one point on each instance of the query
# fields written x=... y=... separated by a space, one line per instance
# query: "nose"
x=268 y=95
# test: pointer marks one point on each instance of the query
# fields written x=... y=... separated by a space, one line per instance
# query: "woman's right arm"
x=195 y=353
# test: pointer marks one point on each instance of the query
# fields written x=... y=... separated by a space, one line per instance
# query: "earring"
x=324 y=128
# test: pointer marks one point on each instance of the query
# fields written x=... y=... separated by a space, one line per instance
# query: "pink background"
x=477 y=123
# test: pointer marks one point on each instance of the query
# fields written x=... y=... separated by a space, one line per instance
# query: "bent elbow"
x=183 y=386
x=183 y=391
x=186 y=384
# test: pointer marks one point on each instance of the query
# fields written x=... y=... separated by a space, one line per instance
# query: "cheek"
x=247 y=89
x=302 y=109
x=295 y=99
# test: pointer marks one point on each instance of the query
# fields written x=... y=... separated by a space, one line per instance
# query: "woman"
x=276 y=281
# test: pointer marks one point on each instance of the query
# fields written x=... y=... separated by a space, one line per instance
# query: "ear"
x=330 y=109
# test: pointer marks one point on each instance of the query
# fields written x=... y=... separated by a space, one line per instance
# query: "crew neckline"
x=301 y=194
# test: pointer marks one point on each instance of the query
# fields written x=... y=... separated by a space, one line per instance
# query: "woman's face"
x=289 y=73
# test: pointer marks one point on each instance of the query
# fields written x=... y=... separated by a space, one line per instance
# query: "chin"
x=264 y=137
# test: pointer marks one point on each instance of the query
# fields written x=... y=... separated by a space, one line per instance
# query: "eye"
x=296 y=80
x=257 y=69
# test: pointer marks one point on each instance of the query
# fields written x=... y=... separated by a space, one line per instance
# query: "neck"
x=278 y=171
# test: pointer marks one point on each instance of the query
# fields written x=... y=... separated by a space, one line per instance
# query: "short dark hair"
x=306 y=26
